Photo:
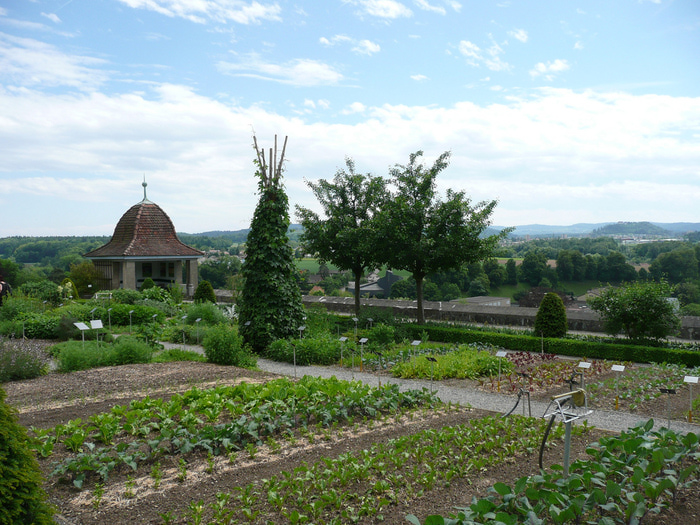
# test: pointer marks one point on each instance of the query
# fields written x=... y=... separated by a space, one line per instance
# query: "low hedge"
x=569 y=347
x=320 y=350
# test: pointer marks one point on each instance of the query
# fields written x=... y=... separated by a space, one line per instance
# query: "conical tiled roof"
x=145 y=230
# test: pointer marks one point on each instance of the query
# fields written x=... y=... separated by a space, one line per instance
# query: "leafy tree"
x=423 y=234
x=479 y=286
x=85 y=277
x=458 y=277
x=403 y=289
x=617 y=269
x=579 y=263
x=550 y=320
x=270 y=304
x=533 y=267
x=431 y=291
x=495 y=272
x=511 y=272
x=449 y=291
x=204 y=293
x=594 y=265
x=641 y=310
x=565 y=266
x=687 y=293
x=347 y=236
x=676 y=266
x=10 y=270
x=217 y=271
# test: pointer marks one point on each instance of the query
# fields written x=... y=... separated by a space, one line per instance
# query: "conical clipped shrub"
x=147 y=283
x=550 y=320
x=204 y=292
x=22 y=498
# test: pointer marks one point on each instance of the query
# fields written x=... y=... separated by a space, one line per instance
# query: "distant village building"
x=375 y=286
x=145 y=244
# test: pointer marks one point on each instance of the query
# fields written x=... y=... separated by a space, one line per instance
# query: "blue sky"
x=564 y=111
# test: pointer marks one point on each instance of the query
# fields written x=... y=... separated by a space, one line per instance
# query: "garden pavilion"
x=144 y=244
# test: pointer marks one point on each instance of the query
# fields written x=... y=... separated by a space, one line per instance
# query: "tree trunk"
x=420 y=316
x=358 y=276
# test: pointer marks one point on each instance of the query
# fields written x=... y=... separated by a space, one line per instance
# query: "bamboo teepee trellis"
x=270 y=169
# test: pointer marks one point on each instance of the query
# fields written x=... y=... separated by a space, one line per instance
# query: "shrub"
x=208 y=312
x=381 y=335
x=42 y=290
x=167 y=309
x=204 y=292
x=176 y=354
x=378 y=316
x=22 y=499
x=125 y=296
x=550 y=320
x=322 y=349
x=173 y=333
x=11 y=329
x=130 y=350
x=68 y=289
x=66 y=328
x=692 y=309
x=155 y=293
x=176 y=293
x=224 y=346
x=40 y=326
x=147 y=283
x=76 y=355
x=22 y=359
x=15 y=305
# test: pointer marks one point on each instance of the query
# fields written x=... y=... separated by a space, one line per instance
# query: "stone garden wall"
x=579 y=319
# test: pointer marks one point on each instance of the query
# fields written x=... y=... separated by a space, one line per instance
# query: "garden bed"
x=185 y=491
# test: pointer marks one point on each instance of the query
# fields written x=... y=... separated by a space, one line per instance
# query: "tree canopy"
x=642 y=310
x=347 y=236
x=422 y=233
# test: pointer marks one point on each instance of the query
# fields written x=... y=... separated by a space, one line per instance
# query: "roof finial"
x=144 y=184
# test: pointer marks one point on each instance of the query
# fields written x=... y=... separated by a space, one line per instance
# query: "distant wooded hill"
x=672 y=229
x=63 y=251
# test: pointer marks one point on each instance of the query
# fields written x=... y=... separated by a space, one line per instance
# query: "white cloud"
x=199 y=11
x=355 y=107
x=297 y=72
x=29 y=62
x=366 y=47
x=360 y=47
x=578 y=155
x=489 y=57
x=470 y=50
x=419 y=78
x=549 y=68
x=578 y=45
x=334 y=40
x=382 y=8
x=426 y=6
x=519 y=34
x=53 y=17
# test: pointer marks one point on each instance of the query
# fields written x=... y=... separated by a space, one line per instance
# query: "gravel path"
x=605 y=419
x=614 y=421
